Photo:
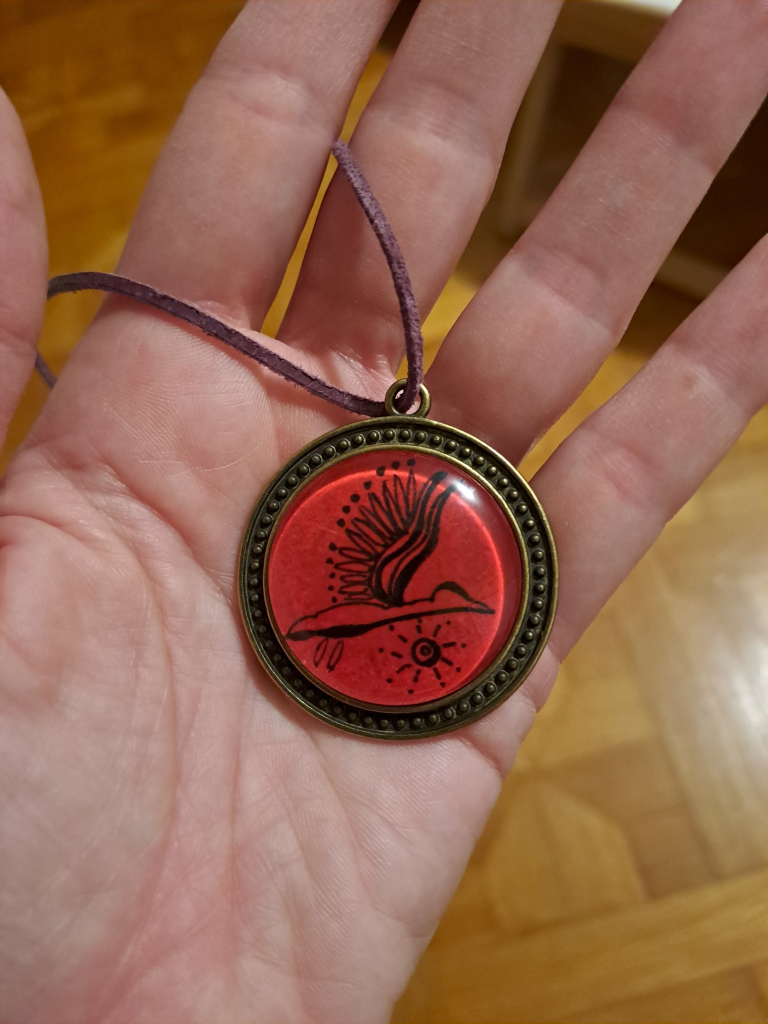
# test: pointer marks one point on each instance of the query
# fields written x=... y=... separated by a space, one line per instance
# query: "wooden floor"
x=624 y=873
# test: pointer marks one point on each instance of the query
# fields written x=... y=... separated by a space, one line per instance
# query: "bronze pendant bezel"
x=533 y=536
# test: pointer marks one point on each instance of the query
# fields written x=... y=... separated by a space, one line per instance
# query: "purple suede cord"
x=409 y=312
x=210 y=325
x=92 y=280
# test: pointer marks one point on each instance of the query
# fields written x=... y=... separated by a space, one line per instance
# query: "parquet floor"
x=624 y=873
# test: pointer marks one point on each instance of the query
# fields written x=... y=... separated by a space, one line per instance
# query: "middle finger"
x=430 y=143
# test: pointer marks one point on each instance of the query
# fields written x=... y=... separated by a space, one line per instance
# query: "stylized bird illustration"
x=389 y=539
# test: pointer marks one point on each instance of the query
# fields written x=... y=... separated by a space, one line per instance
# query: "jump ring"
x=397 y=389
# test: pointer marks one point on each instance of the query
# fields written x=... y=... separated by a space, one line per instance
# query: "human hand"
x=178 y=840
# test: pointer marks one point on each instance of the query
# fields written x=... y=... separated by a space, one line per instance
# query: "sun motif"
x=416 y=649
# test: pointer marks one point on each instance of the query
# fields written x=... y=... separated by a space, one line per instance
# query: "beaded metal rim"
x=525 y=643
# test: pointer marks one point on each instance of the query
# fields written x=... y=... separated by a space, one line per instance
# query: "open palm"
x=177 y=840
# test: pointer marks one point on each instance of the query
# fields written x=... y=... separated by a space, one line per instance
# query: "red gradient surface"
x=394 y=577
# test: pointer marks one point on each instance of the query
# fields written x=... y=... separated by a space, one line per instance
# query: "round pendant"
x=398 y=578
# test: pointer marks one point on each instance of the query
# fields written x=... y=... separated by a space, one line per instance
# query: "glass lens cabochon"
x=394 y=578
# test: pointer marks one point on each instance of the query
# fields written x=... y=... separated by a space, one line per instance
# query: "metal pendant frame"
x=524 y=644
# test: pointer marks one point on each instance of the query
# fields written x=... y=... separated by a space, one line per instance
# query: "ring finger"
x=540 y=327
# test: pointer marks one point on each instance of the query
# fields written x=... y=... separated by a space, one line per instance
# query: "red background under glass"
x=454 y=613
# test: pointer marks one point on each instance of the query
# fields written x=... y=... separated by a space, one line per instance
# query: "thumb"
x=23 y=262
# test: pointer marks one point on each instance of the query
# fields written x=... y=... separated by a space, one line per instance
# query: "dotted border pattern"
x=521 y=651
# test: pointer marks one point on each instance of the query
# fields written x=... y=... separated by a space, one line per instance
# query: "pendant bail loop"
x=396 y=390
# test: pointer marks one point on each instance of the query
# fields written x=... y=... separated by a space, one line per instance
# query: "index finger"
x=238 y=175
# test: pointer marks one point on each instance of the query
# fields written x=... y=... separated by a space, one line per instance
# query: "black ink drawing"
x=388 y=539
x=424 y=653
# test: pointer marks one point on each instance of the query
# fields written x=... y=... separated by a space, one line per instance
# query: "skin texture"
x=178 y=842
